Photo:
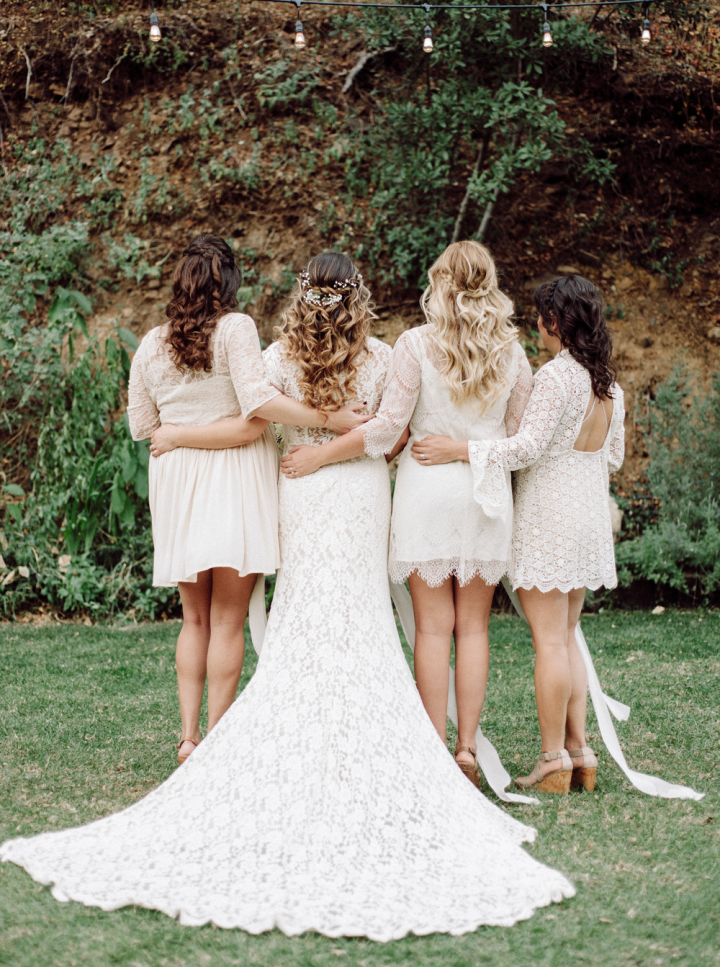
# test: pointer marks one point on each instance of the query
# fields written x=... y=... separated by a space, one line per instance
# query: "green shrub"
x=81 y=539
x=682 y=550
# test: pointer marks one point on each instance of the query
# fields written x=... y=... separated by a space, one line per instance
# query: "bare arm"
x=223 y=435
x=281 y=409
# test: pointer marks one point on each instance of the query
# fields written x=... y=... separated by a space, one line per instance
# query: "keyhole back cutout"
x=595 y=426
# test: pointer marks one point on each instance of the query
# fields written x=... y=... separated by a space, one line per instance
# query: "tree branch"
x=491 y=204
x=466 y=200
x=29 y=72
x=362 y=61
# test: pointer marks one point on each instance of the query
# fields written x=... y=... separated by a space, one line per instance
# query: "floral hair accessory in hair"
x=327 y=299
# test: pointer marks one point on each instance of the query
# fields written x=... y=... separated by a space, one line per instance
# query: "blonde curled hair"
x=326 y=329
x=471 y=327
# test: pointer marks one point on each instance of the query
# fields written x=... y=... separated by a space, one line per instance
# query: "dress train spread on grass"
x=324 y=799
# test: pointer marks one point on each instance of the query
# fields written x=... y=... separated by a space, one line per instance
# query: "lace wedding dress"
x=324 y=799
x=438 y=528
x=210 y=508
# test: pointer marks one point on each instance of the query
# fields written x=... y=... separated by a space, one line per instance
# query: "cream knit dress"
x=210 y=508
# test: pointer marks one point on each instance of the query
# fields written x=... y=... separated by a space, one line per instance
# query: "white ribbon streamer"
x=257 y=616
x=603 y=705
x=487 y=757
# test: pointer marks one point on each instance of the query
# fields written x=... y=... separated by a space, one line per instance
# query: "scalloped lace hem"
x=527 y=583
x=435 y=573
x=293 y=925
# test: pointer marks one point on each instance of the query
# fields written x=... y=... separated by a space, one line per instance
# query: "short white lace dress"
x=324 y=799
x=210 y=508
x=562 y=535
x=438 y=529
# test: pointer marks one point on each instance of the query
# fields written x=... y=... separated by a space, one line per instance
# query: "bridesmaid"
x=465 y=375
x=214 y=512
x=571 y=437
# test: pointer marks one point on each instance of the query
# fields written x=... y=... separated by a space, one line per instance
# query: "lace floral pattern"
x=562 y=536
x=435 y=518
x=324 y=799
x=236 y=384
x=435 y=573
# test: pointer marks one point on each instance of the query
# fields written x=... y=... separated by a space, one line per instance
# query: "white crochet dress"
x=438 y=529
x=210 y=508
x=324 y=799
x=562 y=537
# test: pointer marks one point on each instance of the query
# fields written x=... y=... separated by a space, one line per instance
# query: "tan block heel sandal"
x=469 y=769
x=182 y=758
x=583 y=776
x=557 y=782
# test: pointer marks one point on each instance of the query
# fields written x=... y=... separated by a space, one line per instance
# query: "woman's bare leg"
x=191 y=654
x=547 y=613
x=577 y=706
x=226 y=652
x=434 y=611
x=472 y=656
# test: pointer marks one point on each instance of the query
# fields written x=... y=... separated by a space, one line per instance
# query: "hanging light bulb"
x=155 y=34
x=428 y=41
x=645 y=36
x=299 y=36
x=546 y=35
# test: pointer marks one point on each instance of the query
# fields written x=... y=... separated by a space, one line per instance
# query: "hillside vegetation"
x=597 y=155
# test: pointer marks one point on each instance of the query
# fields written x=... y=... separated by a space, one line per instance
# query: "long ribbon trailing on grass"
x=257 y=616
x=603 y=705
x=489 y=761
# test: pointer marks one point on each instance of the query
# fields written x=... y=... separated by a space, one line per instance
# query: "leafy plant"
x=682 y=550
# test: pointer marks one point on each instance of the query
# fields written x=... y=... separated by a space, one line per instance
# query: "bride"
x=324 y=799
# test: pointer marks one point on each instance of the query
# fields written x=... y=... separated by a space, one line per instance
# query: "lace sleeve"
x=519 y=394
x=143 y=414
x=616 y=452
x=273 y=366
x=246 y=366
x=402 y=386
x=490 y=459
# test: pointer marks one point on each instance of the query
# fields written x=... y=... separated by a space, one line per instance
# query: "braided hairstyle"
x=205 y=284
x=572 y=309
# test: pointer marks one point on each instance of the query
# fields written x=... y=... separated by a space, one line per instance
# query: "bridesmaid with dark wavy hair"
x=570 y=438
x=214 y=511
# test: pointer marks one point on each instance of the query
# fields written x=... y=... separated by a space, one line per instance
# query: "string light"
x=427 y=41
x=299 y=32
x=155 y=34
x=645 y=36
x=546 y=32
x=547 y=37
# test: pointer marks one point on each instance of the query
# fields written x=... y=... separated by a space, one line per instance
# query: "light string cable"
x=547 y=38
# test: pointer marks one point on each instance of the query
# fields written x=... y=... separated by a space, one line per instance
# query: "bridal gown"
x=324 y=799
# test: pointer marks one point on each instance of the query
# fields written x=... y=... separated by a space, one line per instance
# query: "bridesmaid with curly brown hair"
x=214 y=512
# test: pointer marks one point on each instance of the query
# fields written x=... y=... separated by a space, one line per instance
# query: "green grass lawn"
x=88 y=723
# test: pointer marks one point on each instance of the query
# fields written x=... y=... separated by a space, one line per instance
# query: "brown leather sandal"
x=470 y=770
x=182 y=758
x=583 y=776
x=557 y=782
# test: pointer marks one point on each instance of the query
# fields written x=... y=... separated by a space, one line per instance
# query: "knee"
x=436 y=625
x=550 y=644
x=198 y=620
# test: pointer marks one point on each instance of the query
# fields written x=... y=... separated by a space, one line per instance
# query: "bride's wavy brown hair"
x=205 y=284
x=328 y=342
